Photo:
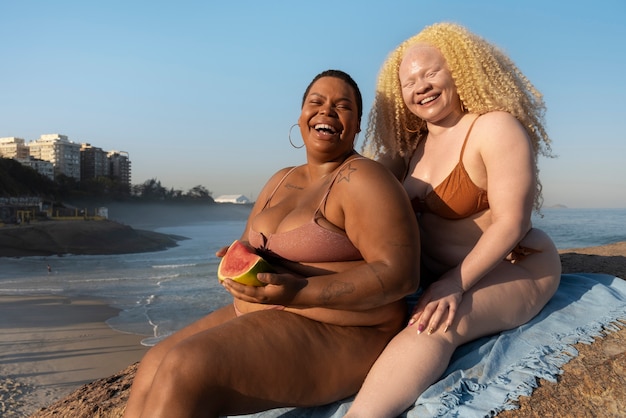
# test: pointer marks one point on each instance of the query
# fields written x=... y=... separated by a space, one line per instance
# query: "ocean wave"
x=173 y=266
x=152 y=341
x=97 y=280
x=31 y=291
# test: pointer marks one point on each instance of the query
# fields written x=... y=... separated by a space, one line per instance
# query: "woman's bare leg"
x=153 y=358
x=412 y=362
x=260 y=361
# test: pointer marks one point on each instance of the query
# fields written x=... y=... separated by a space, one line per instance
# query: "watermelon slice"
x=241 y=264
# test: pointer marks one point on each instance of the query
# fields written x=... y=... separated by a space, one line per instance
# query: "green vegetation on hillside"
x=17 y=180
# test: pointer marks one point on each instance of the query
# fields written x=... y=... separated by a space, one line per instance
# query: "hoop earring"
x=295 y=124
x=413 y=131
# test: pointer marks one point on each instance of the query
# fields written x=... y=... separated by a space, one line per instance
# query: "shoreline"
x=53 y=344
x=60 y=358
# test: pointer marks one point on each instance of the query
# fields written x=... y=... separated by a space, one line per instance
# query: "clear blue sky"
x=204 y=92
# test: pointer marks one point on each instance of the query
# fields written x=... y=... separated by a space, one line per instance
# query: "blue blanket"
x=488 y=375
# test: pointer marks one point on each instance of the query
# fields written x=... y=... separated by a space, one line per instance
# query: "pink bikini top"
x=308 y=243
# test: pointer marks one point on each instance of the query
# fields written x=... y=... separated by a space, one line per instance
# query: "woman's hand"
x=281 y=288
x=438 y=305
x=222 y=251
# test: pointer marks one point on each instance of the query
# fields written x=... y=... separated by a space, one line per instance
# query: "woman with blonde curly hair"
x=460 y=125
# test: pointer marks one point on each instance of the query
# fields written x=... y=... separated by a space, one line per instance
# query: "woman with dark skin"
x=461 y=127
x=311 y=334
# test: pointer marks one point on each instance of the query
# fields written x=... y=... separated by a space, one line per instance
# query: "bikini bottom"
x=519 y=253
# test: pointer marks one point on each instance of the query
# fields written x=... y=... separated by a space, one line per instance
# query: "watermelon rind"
x=249 y=276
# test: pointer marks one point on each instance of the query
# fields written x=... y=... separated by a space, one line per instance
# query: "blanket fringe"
x=543 y=363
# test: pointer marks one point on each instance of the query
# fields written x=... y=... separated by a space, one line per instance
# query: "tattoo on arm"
x=338 y=288
x=345 y=172
x=334 y=290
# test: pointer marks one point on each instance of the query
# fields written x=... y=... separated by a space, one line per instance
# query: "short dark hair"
x=342 y=76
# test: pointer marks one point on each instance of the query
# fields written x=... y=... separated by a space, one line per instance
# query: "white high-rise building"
x=12 y=147
x=61 y=152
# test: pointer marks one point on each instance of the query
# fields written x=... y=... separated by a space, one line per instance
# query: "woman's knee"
x=178 y=374
x=198 y=375
x=149 y=365
x=182 y=362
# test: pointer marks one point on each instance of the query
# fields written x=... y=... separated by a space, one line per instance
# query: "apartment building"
x=54 y=154
x=120 y=166
x=61 y=152
x=12 y=147
x=94 y=162
x=45 y=168
x=16 y=148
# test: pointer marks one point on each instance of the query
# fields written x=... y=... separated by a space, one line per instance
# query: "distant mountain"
x=557 y=206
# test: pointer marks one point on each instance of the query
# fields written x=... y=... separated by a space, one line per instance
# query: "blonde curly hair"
x=486 y=80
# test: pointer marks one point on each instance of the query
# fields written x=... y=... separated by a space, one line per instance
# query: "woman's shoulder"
x=497 y=118
x=494 y=116
x=278 y=177
x=283 y=172
x=498 y=126
x=370 y=174
x=368 y=165
x=498 y=133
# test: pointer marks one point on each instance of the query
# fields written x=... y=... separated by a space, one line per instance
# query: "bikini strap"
x=407 y=165
x=330 y=185
x=466 y=138
x=267 y=202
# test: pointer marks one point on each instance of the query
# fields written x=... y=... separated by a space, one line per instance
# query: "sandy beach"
x=52 y=345
x=60 y=359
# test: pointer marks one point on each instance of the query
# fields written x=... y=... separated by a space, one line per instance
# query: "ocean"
x=160 y=292
x=580 y=228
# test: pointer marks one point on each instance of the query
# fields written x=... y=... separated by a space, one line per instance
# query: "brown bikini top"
x=456 y=197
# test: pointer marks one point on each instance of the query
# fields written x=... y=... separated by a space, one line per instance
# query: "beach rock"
x=610 y=259
x=593 y=383
x=80 y=237
x=104 y=398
